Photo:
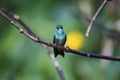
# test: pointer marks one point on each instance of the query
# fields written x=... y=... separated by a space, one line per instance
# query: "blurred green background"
x=23 y=59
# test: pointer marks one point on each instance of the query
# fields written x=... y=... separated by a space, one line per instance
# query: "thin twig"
x=17 y=18
x=37 y=39
x=55 y=62
x=9 y=76
x=31 y=35
x=95 y=16
x=102 y=28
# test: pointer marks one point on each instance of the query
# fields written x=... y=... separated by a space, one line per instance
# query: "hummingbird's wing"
x=56 y=51
x=65 y=39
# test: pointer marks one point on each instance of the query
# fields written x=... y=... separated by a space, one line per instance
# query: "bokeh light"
x=75 y=40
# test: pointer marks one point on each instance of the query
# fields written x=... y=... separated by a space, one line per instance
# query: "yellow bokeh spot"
x=75 y=40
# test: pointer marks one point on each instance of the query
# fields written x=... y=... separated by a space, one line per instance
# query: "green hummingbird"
x=59 y=39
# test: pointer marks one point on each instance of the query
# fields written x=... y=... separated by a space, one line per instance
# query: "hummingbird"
x=59 y=39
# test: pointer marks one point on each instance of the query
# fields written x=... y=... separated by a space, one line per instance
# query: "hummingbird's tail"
x=58 y=52
x=61 y=52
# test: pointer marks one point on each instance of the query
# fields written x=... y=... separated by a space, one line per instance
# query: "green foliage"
x=24 y=59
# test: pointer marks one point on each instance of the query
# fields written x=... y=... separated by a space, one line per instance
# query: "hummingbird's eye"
x=61 y=27
x=57 y=27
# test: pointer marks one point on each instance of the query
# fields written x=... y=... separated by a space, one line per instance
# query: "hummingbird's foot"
x=67 y=47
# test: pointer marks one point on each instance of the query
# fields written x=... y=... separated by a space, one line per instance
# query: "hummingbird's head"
x=59 y=32
x=59 y=27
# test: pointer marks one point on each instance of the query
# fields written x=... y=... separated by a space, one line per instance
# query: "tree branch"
x=67 y=49
x=95 y=16
x=31 y=35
